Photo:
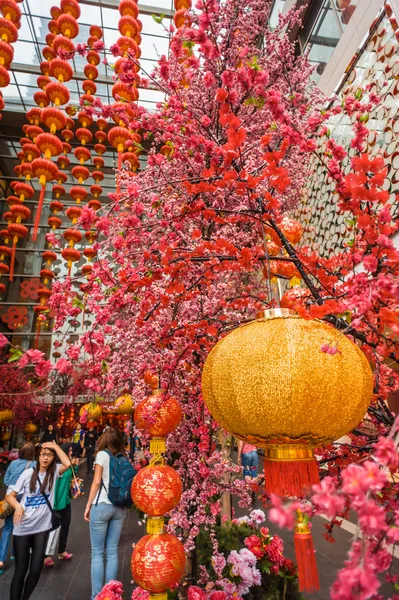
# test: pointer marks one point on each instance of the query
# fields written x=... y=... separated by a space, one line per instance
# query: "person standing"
x=77 y=441
x=90 y=440
x=105 y=519
x=50 y=435
x=248 y=457
x=26 y=459
x=33 y=517
x=62 y=504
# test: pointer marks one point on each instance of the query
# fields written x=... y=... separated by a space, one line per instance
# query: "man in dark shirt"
x=90 y=441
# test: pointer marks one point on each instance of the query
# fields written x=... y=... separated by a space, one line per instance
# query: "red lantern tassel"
x=118 y=185
x=12 y=263
x=290 y=471
x=305 y=557
x=38 y=213
x=37 y=335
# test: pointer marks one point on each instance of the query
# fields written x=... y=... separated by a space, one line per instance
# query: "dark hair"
x=111 y=440
x=27 y=451
x=49 y=476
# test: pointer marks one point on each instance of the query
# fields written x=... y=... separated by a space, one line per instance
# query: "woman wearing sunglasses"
x=32 y=517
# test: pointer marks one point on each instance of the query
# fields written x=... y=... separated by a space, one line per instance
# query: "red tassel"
x=118 y=185
x=290 y=478
x=37 y=335
x=38 y=214
x=12 y=264
x=306 y=561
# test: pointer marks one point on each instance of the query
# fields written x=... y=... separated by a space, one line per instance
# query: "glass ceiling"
x=32 y=39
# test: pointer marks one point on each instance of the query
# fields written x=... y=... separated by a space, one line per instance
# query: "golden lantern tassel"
x=305 y=556
x=155 y=525
x=13 y=253
x=157 y=445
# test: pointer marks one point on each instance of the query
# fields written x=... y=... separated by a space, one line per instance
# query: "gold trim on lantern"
x=155 y=525
x=157 y=445
x=161 y=596
x=275 y=313
x=289 y=453
x=301 y=526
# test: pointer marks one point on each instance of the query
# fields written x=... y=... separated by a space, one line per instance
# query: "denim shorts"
x=250 y=462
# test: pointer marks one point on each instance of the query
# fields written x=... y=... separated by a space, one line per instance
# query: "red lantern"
x=128 y=7
x=49 y=53
x=53 y=27
x=73 y=236
x=49 y=144
x=156 y=490
x=55 y=12
x=128 y=26
x=78 y=193
x=89 y=87
x=73 y=213
x=284 y=268
x=117 y=137
x=70 y=7
x=41 y=99
x=182 y=18
x=84 y=135
x=82 y=154
x=97 y=176
x=291 y=229
x=57 y=93
x=94 y=204
x=63 y=43
x=6 y=54
x=34 y=116
x=96 y=31
x=53 y=118
x=54 y=222
x=294 y=297
x=158 y=562
x=61 y=69
x=49 y=257
x=100 y=136
x=67 y=135
x=100 y=149
x=127 y=45
x=43 y=81
x=125 y=92
x=80 y=173
x=68 y=26
x=11 y=11
x=71 y=255
x=158 y=418
x=90 y=71
x=98 y=162
x=93 y=58
x=31 y=151
x=63 y=162
x=8 y=31
x=132 y=159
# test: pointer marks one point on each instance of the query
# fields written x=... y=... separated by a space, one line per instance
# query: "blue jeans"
x=6 y=537
x=250 y=462
x=106 y=521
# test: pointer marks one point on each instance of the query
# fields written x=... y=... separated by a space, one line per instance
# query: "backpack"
x=121 y=475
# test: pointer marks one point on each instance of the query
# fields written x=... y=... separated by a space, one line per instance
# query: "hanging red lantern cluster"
x=181 y=17
x=10 y=22
x=158 y=559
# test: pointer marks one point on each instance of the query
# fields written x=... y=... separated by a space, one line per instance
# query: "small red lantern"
x=17 y=231
x=71 y=255
x=31 y=151
x=96 y=31
x=294 y=297
x=73 y=213
x=49 y=53
x=78 y=193
x=68 y=26
x=125 y=92
x=43 y=81
x=128 y=7
x=158 y=417
x=84 y=135
x=156 y=490
x=80 y=173
x=132 y=159
x=284 y=268
x=63 y=162
x=63 y=43
x=53 y=118
x=61 y=70
x=100 y=149
x=73 y=236
x=54 y=222
x=94 y=204
x=6 y=54
x=8 y=31
x=89 y=87
x=100 y=136
x=34 y=116
x=90 y=71
x=291 y=229
x=49 y=257
x=127 y=45
x=57 y=93
x=70 y=7
x=41 y=99
x=67 y=135
x=82 y=154
x=98 y=162
x=117 y=137
x=97 y=176
x=49 y=144
x=158 y=562
x=53 y=27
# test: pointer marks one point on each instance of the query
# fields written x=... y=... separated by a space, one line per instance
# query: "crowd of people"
x=39 y=492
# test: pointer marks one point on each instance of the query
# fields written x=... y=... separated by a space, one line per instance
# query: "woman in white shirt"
x=32 y=517
x=106 y=520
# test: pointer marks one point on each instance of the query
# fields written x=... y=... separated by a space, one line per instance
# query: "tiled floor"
x=71 y=581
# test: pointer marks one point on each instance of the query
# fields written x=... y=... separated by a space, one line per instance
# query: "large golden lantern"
x=271 y=382
x=90 y=412
x=124 y=405
x=288 y=385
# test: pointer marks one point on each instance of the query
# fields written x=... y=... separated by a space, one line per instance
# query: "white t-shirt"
x=102 y=459
x=37 y=515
